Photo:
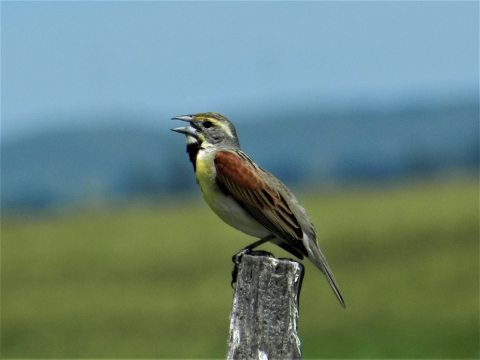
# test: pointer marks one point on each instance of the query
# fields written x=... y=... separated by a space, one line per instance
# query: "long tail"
x=317 y=258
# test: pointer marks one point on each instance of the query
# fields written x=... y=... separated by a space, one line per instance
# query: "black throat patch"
x=192 y=150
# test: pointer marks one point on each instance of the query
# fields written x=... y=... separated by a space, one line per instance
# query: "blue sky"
x=64 y=62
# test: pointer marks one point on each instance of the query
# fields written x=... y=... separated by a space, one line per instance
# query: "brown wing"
x=238 y=175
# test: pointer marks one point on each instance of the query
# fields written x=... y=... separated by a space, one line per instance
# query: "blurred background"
x=369 y=111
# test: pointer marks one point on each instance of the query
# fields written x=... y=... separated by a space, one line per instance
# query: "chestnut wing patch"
x=243 y=181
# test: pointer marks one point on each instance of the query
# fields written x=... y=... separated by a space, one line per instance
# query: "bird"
x=247 y=197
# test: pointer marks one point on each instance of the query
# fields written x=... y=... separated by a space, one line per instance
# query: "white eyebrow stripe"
x=224 y=127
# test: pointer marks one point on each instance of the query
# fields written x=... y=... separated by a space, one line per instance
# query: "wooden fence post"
x=264 y=317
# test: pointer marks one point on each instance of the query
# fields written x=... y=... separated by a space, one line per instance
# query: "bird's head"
x=209 y=129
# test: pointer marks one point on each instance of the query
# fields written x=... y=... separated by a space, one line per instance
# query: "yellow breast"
x=224 y=206
x=206 y=175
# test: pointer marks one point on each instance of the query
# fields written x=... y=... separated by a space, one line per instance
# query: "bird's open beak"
x=187 y=130
x=188 y=118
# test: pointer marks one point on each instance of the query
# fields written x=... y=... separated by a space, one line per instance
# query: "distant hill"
x=299 y=145
x=87 y=165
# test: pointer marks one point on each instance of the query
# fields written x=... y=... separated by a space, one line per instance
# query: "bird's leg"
x=236 y=258
x=249 y=250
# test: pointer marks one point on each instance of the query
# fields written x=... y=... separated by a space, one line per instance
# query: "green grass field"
x=153 y=281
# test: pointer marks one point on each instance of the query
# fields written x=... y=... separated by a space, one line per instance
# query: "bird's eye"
x=207 y=124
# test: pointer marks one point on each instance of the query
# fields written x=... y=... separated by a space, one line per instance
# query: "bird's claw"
x=237 y=259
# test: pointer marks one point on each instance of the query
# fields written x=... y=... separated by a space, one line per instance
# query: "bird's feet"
x=237 y=258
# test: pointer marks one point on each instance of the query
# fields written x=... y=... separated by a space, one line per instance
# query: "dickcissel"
x=246 y=196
